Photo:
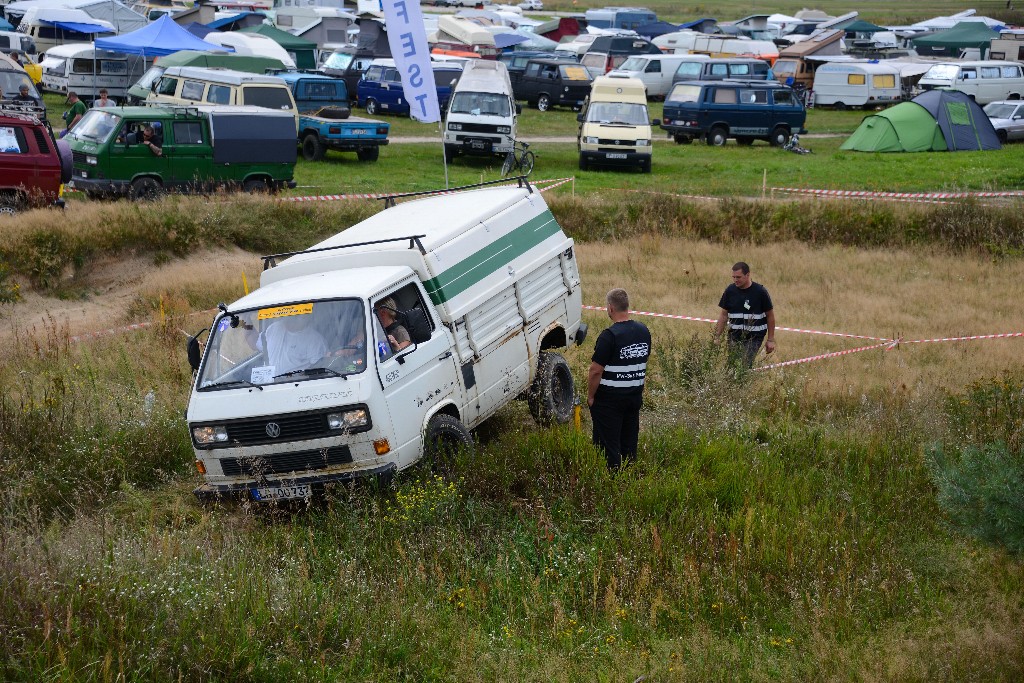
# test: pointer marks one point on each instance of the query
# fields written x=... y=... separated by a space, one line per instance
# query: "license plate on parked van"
x=614 y=155
x=281 y=492
x=480 y=144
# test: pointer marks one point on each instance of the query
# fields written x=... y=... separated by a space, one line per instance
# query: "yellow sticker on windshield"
x=284 y=311
x=576 y=73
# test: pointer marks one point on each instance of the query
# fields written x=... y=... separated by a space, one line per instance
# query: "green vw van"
x=194 y=149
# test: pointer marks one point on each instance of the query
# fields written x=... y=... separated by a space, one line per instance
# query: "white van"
x=983 y=82
x=80 y=68
x=655 y=71
x=482 y=113
x=615 y=127
x=202 y=85
x=15 y=40
x=308 y=380
x=856 y=84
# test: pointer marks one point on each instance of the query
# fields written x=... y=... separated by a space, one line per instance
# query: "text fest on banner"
x=408 y=39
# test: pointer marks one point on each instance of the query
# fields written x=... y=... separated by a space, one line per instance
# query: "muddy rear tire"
x=551 y=396
x=444 y=438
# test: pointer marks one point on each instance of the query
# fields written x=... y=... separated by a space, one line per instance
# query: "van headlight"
x=643 y=143
x=349 y=419
x=92 y=161
x=210 y=434
x=505 y=130
x=589 y=140
x=454 y=126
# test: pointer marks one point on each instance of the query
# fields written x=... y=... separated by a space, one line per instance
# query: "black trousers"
x=745 y=349
x=616 y=428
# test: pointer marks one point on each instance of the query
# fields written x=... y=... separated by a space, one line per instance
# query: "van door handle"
x=445 y=355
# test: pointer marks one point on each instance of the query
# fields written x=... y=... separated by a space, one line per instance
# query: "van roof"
x=622 y=88
x=485 y=75
x=165 y=111
x=739 y=83
x=219 y=75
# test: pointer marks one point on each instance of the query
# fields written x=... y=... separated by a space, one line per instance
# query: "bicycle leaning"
x=523 y=161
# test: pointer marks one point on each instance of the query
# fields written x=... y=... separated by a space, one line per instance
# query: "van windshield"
x=784 y=68
x=338 y=60
x=942 y=72
x=688 y=71
x=95 y=126
x=684 y=93
x=11 y=82
x=289 y=343
x=150 y=77
x=634 y=64
x=574 y=73
x=481 y=104
x=618 y=114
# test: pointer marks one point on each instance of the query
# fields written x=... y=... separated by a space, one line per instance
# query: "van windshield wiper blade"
x=228 y=383
x=311 y=371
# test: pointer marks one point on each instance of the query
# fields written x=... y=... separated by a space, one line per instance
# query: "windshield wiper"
x=312 y=371
x=243 y=382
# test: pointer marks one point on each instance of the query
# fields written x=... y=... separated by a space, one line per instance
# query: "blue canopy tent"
x=77 y=27
x=238 y=21
x=160 y=38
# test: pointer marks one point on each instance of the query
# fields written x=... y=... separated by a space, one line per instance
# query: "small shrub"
x=10 y=292
x=981 y=490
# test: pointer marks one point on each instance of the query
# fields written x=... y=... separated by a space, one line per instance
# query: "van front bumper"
x=478 y=144
x=316 y=482
x=616 y=157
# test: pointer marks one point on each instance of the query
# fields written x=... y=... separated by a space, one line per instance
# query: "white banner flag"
x=408 y=39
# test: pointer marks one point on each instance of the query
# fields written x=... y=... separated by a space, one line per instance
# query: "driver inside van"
x=292 y=343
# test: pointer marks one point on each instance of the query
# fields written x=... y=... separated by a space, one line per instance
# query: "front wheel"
x=526 y=162
x=780 y=136
x=445 y=436
x=146 y=189
x=368 y=153
x=313 y=148
x=550 y=397
x=543 y=103
x=371 y=107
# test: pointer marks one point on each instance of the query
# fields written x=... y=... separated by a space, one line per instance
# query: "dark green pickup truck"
x=192 y=149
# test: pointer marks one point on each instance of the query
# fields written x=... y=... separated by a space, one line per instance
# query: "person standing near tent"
x=74 y=113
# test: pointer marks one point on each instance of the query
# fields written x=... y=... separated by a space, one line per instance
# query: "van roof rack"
x=270 y=261
x=12 y=107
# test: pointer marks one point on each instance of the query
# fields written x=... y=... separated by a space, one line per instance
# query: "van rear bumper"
x=243 y=490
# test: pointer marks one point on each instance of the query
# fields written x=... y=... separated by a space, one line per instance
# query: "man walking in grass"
x=747 y=309
x=615 y=383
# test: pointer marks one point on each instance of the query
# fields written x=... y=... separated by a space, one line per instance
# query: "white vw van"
x=984 y=82
x=615 y=128
x=654 y=71
x=481 y=117
x=308 y=380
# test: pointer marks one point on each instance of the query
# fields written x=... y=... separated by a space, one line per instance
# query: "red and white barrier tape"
x=1004 y=335
x=675 y=194
x=898 y=195
x=713 y=320
x=820 y=356
x=372 y=195
x=126 y=328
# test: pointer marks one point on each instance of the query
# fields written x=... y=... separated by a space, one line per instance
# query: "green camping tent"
x=907 y=127
x=965 y=34
x=302 y=51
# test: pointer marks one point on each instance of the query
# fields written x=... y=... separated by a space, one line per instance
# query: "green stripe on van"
x=495 y=255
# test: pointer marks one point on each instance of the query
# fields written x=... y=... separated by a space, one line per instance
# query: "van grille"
x=612 y=143
x=479 y=128
x=278 y=463
x=285 y=428
x=78 y=157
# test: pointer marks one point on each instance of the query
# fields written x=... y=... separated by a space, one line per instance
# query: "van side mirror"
x=195 y=355
x=579 y=117
x=655 y=122
x=415 y=322
x=519 y=108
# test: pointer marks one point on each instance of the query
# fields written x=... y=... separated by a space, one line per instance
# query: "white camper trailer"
x=856 y=84
x=80 y=68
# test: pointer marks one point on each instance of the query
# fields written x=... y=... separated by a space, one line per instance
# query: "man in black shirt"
x=615 y=383
x=747 y=309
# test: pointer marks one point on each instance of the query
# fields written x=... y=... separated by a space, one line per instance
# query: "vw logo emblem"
x=273 y=430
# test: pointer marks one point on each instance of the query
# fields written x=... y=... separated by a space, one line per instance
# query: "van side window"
x=167 y=86
x=394 y=313
x=653 y=67
x=783 y=97
x=688 y=70
x=187 y=132
x=266 y=96
x=1011 y=71
x=725 y=96
x=739 y=70
x=218 y=94
x=81 y=66
x=990 y=72
x=968 y=74
x=391 y=74
x=320 y=90
x=533 y=70
x=192 y=90
x=754 y=96
x=719 y=69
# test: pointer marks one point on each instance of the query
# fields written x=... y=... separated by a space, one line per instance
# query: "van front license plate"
x=614 y=155
x=480 y=144
x=281 y=492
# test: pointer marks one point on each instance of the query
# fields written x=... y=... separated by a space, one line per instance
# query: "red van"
x=32 y=166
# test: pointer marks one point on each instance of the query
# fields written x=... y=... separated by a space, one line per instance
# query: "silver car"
x=1007 y=118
